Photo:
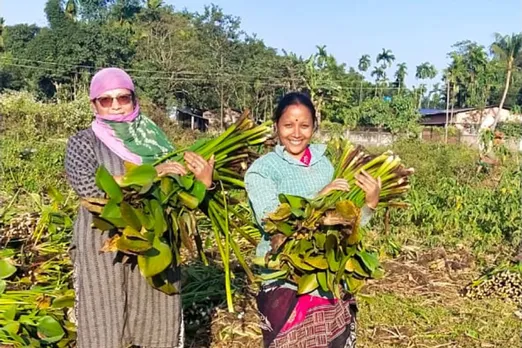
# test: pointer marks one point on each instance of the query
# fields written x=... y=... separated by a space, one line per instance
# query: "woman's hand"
x=370 y=186
x=337 y=184
x=170 y=167
x=203 y=170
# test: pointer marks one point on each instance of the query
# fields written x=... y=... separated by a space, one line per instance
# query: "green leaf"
x=273 y=275
x=331 y=252
x=282 y=212
x=160 y=224
x=297 y=262
x=298 y=213
x=12 y=327
x=3 y=285
x=129 y=215
x=307 y=284
x=102 y=224
x=6 y=269
x=134 y=246
x=354 y=284
x=199 y=190
x=105 y=181
x=167 y=186
x=130 y=232
x=49 y=330
x=111 y=212
x=142 y=175
x=320 y=239
x=370 y=260
x=10 y=313
x=161 y=283
x=321 y=279
x=184 y=181
x=285 y=228
x=188 y=200
x=295 y=202
x=155 y=260
x=318 y=262
x=66 y=301
x=352 y=265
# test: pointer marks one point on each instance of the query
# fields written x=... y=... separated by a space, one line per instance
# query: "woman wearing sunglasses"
x=115 y=306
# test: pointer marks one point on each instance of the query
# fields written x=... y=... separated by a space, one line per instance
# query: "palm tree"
x=380 y=75
x=154 y=4
x=71 y=9
x=364 y=63
x=386 y=56
x=508 y=49
x=2 y=21
x=425 y=71
x=400 y=75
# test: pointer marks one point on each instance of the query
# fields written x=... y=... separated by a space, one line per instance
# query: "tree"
x=424 y=71
x=2 y=46
x=379 y=73
x=386 y=56
x=364 y=63
x=400 y=75
x=508 y=49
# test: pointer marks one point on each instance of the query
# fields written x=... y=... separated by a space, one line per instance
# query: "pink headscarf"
x=105 y=80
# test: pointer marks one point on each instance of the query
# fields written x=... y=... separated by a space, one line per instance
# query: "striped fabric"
x=115 y=307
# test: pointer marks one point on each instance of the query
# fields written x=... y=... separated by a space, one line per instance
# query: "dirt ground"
x=417 y=304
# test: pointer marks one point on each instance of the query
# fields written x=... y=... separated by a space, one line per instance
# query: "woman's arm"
x=81 y=165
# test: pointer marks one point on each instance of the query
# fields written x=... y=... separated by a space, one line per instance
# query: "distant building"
x=467 y=120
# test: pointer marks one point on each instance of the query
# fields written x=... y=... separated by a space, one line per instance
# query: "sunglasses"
x=106 y=102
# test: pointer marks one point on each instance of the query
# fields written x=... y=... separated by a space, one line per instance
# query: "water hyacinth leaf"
x=307 y=284
x=111 y=212
x=133 y=246
x=102 y=224
x=188 y=200
x=155 y=260
x=348 y=210
x=331 y=252
x=160 y=224
x=318 y=262
x=295 y=202
x=7 y=269
x=129 y=166
x=161 y=282
x=131 y=233
x=354 y=284
x=320 y=239
x=352 y=265
x=199 y=190
x=167 y=186
x=3 y=285
x=321 y=279
x=142 y=175
x=145 y=220
x=285 y=228
x=129 y=215
x=297 y=262
x=184 y=181
x=66 y=301
x=105 y=181
x=298 y=212
x=282 y=212
x=49 y=330
x=370 y=260
x=273 y=275
x=304 y=246
x=355 y=237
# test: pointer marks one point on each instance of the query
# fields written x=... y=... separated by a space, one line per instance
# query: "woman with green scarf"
x=115 y=306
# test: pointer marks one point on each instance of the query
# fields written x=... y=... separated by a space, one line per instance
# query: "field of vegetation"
x=459 y=226
x=452 y=259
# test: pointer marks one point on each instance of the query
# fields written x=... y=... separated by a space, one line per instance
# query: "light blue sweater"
x=278 y=172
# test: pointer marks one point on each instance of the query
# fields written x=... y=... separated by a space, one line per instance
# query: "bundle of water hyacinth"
x=318 y=243
x=151 y=217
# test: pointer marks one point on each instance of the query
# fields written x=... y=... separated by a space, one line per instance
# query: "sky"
x=416 y=31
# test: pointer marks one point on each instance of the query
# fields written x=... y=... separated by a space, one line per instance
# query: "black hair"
x=295 y=98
